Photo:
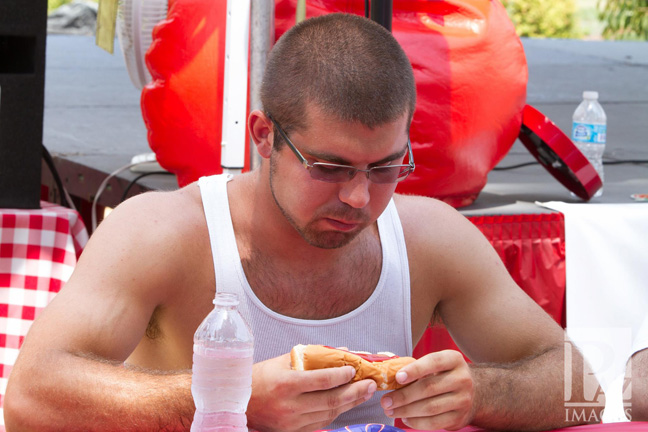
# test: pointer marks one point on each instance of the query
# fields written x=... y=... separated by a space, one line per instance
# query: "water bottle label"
x=589 y=133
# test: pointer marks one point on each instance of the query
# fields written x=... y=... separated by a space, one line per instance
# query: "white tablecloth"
x=607 y=288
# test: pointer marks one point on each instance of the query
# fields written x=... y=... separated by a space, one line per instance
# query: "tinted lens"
x=389 y=174
x=331 y=173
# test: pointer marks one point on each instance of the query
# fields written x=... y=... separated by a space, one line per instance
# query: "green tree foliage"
x=624 y=19
x=53 y=4
x=543 y=18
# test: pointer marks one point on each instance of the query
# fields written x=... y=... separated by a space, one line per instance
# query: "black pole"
x=23 y=34
x=381 y=12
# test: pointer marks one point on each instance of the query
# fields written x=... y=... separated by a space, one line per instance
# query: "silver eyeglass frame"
x=410 y=166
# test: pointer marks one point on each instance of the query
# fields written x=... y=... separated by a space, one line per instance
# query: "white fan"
x=135 y=22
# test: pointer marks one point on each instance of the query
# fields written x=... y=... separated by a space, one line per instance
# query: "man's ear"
x=261 y=131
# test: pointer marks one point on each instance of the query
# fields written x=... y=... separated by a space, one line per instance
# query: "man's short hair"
x=348 y=66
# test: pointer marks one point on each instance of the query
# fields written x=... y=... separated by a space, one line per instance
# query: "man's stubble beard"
x=320 y=239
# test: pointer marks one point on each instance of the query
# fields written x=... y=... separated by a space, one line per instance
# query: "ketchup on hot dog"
x=373 y=358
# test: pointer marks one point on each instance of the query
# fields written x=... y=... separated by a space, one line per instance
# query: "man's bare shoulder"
x=155 y=217
x=161 y=208
x=430 y=223
x=147 y=242
x=413 y=204
x=443 y=246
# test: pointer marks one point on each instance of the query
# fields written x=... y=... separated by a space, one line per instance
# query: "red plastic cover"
x=558 y=154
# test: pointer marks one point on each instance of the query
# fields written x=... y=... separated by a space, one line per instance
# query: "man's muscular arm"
x=516 y=381
x=70 y=373
x=529 y=394
x=445 y=392
x=72 y=392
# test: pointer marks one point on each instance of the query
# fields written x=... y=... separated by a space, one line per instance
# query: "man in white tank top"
x=319 y=240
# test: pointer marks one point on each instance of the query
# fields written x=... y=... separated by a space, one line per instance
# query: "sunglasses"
x=335 y=173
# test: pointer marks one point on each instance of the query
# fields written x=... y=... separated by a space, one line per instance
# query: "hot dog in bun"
x=381 y=367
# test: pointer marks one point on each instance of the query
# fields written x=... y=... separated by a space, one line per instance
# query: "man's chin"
x=329 y=239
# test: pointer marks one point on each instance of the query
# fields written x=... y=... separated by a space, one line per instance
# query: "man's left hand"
x=439 y=395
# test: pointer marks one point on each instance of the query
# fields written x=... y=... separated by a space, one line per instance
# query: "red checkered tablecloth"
x=38 y=252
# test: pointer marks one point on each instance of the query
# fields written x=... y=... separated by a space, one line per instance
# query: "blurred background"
x=569 y=19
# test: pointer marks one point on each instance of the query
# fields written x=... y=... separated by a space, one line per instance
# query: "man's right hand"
x=288 y=400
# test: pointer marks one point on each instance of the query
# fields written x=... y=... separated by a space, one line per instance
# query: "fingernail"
x=389 y=413
x=387 y=402
x=371 y=390
x=352 y=372
x=401 y=377
x=406 y=422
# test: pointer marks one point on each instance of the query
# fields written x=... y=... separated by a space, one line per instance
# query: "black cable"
x=136 y=179
x=366 y=8
x=510 y=167
x=57 y=178
x=614 y=162
x=626 y=161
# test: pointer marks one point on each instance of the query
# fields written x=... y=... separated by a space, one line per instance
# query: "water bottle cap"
x=590 y=95
x=226 y=299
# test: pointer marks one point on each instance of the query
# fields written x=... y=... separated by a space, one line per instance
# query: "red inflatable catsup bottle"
x=468 y=62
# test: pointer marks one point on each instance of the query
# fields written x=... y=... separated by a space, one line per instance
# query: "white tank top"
x=381 y=323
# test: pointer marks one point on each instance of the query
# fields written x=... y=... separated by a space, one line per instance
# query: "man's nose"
x=355 y=192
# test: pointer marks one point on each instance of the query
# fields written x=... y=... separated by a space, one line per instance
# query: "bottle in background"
x=589 y=130
x=221 y=382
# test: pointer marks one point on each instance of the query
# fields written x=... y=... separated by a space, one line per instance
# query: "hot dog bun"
x=380 y=367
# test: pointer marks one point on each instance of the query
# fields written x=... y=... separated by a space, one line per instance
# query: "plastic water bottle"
x=221 y=382
x=589 y=130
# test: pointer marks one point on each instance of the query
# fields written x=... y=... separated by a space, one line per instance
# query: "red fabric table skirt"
x=532 y=247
